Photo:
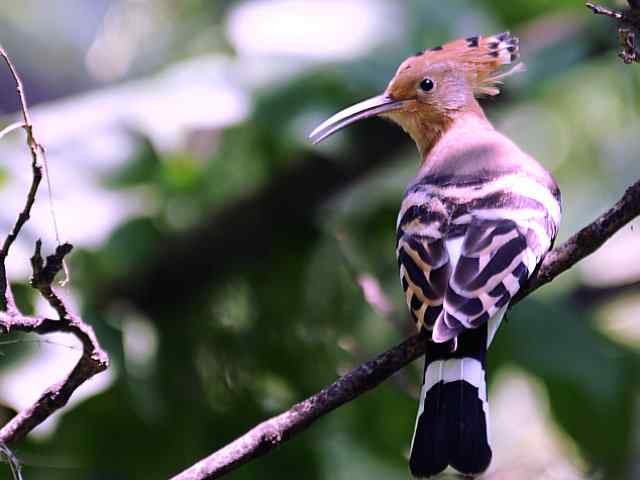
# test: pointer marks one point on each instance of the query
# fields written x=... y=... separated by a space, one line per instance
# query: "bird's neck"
x=429 y=129
x=469 y=147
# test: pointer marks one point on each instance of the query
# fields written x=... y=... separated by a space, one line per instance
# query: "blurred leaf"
x=130 y=245
x=24 y=296
x=180 y=173
x=517 y=11
x=141 y=169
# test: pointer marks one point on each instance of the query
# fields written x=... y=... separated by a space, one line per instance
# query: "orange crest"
x=481 y=57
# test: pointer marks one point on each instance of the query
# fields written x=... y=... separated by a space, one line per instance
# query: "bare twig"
x=600 y=10
x=93 y=359
x=34 y=147
x=628 y=28
x=275 y=431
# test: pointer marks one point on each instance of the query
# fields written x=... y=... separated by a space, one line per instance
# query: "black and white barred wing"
x=424 y=261
x=494 y=261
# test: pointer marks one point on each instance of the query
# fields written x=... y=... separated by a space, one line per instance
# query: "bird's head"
x=431 y=88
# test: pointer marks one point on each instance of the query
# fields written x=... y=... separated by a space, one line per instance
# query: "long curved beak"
x=367 y=108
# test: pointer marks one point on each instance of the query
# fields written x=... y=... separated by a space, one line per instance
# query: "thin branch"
x=93 y=359
x=628 y=28
x=275 y=431
x=52 y=399
x=6 y=300
x=24 y=109
x=600 y=10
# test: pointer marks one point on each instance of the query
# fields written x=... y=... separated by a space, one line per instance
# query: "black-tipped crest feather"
x=483 y=59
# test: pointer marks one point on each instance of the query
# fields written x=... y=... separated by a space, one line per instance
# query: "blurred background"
x=231 y=269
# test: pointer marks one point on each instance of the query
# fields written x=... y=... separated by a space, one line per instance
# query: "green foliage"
x=131 y=244
x=256 y=338
x=141 y=169
x=591 y=386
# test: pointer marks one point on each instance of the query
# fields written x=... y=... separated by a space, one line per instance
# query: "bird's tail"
x=452 y=427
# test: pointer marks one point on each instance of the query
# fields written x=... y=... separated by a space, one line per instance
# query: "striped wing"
x=466 y=248
x=495 y=260
x=424 y=272
x=424 y=262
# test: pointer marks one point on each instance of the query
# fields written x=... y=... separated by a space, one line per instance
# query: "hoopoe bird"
x=474 y=224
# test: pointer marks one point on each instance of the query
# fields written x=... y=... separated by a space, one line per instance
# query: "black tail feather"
x=469 y=450
x=451 y=428
x=428 y=457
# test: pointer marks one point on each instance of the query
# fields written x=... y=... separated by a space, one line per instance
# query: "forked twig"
x=93 y=359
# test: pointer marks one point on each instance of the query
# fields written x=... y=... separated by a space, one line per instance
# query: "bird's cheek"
x=426 y=101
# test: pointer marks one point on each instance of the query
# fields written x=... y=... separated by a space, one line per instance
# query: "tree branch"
x=275 y=431
x=93 y=359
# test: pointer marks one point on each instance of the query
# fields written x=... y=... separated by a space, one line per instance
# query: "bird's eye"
x=427 y=85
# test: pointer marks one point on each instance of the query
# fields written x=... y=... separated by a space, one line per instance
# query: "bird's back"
x=473 y=180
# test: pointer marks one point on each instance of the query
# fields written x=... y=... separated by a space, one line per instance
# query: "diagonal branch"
x=277 y=430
